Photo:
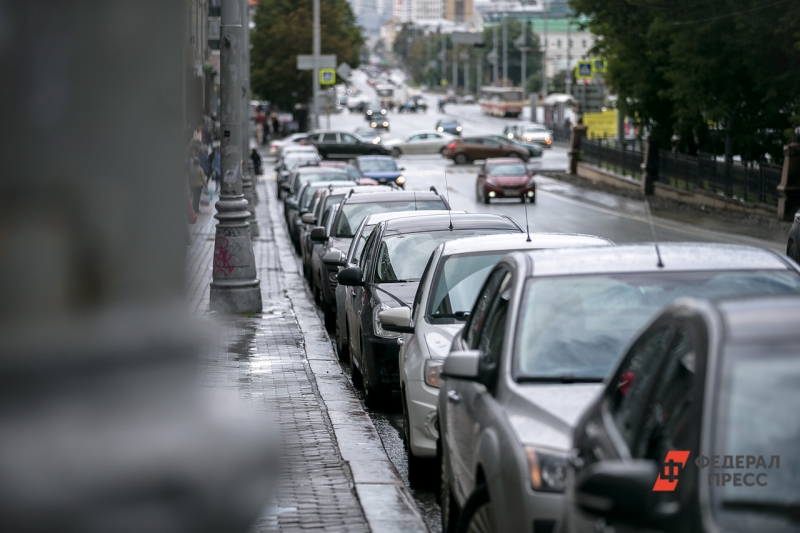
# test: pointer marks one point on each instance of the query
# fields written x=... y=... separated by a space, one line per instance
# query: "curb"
x=385 y=500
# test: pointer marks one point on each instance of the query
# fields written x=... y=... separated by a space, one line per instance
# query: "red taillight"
x=451 y=146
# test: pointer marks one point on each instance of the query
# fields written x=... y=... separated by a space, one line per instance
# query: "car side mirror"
x=350 y=277
x=318 y=234
x=622 y=491
x=462 y=365
x=334 y=258
x=308 y=218
x=397 y=319
x=402 y=168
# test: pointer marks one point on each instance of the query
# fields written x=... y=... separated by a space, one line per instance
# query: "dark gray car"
x=547 y=328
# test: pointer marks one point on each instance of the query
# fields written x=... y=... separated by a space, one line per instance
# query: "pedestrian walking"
x=216 y=163
x=257 y=163
x=197 y=181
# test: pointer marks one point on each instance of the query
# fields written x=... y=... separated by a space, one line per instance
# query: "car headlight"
x=548 y=140
x=458 y=128
x=440 y=128
x=400 y=180
x=373 y=124
x=369 y=112
x=433 y=370
x=379 y=331
x=529 y=139
x=376 y=140
x=548 y=469
x=383 y=111
x=510 y=135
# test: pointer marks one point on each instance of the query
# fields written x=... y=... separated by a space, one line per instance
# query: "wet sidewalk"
x=336 y=475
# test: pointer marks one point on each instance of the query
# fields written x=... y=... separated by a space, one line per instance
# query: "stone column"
x=577 y=134
x=650 y=164
x=789 y=187
x=248 y=189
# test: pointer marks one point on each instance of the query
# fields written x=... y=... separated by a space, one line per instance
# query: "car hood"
x=509 y=180
x=390 y=293
x=546 y=414
x=383 y=175
x=439 y=338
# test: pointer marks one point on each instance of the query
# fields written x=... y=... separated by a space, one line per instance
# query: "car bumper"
x=510 y=192
x=423 y=418
x=381 y=357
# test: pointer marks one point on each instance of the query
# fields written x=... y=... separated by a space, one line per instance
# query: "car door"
x=492 y=148
x=486 y=332
x=356 y=301
x=432 y=144
x=327 y=145
x=349 y=146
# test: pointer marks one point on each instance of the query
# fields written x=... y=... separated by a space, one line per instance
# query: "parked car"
x=292 y=189
x=442 y=304
x=289 y=165
x=707 y=385
x=387 y=275
x=420 y=142
x=382 y=169
x=343 y=145
x=325 y=195
x=793 y=244
x=546 y=329
x=448 y=125
x=530 y=132
x=276 y=147
x=352 y=171
x=471 y=149
x=534 y=149
x=501 y=177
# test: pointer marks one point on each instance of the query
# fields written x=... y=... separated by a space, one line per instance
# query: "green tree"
x=283 y=31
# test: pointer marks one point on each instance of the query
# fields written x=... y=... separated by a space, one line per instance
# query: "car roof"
x=515 y=241
x=374 y=157
x=360 y=189
x=326 y=184
x=676 y=257
x=503 y=160
x=445 y=221
x=771 y=319
x=316 y=169
x=377 y=218
x=393 y=196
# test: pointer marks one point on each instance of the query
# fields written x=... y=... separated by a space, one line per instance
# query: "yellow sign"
x=601 y=125
x=327 y=76
x=584 y=70
x=599 y=64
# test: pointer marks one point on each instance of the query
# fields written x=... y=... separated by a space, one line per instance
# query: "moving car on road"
x=471 y=149
x=387 y=275
x=373 y=111
x=351 y=170
x=505 y=178
x=530 y=133
x=535 y=149
x=380 y=123
x=546 y=329
x=448 y=125
x=382 y=169
x=442 y=304
x=706 y=383
x=420 y=142
x=343 y=145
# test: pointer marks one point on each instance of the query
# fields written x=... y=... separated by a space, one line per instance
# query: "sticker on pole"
x=327 y=76
x=583 y=71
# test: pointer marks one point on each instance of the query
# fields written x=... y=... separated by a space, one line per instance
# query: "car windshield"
x=577 y=326
x=402 y=258
x=535 y=129
x=306 y=196
x=353 y=214
x=508 y=169
x=377 y=165
x=456 y=284
x=756 y=416
x=449 y=123
x=331 y=200
x=353 y=172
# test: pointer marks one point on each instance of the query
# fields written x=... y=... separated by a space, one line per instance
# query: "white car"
x=536 y=133
x=293 y=149
x=276 y=147
x=446 y=294
x=420 y=142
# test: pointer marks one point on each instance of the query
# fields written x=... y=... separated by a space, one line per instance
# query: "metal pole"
x=544 y=54
x=479 y=76
x=496 y=62
x=316 y=53
x=569 y=59
x=524 y=65
x=505 y=47
x=455 y=68
x=234 y=287
x=248 y=169
x=444 y=57
x=466 y=75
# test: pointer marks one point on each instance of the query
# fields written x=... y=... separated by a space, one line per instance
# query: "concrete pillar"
x=577 y=134
x=789 y=187
x=650 y=164
x=235 y=287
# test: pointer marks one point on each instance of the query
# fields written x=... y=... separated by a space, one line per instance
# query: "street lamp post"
x=234 y=286
x=546 y=9
x=505 y=46
x=569 y=59
x=248 y=190
x=316 y=52
x=495 y=62
x=465 y=59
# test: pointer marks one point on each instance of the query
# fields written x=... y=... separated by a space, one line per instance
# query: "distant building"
x=418 y=10
x=459 y=11
x=372 y=14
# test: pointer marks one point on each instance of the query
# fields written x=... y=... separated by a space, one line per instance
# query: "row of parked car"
x=557 y=382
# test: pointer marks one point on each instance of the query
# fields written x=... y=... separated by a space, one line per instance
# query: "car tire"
x=461 y=159
x=478 y=514
x=396 y=152
x=443 y=150
x=330 y=316
x=449 y=508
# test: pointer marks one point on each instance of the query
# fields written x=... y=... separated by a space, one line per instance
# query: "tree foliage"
x=283 y=31
x=721 y=74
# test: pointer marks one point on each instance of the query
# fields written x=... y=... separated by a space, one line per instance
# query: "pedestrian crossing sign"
x=327 y=76
x=584 y=70
x=599 y=65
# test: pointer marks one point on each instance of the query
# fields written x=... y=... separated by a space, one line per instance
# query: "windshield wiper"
x=789 y=510
x=566 y=378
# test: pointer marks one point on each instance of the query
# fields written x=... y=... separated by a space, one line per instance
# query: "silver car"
x=455 y=273
x=546 y=329
x=420 y=142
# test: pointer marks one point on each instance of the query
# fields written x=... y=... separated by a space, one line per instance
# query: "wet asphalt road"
x=560 y=207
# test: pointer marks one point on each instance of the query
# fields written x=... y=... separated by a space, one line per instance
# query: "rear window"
x=353 y=214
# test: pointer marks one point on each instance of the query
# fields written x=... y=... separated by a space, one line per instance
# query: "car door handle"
x=453 y=396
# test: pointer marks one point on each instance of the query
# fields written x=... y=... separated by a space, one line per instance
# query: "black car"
x=303 y=202
x=343 y=145
x=697 y=428
x=380 y=123
x=793 y=244
x=387 y=275
x=354 y=209
x=374 y=110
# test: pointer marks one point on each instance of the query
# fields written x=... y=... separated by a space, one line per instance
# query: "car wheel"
x=478 y=513
x=443 y=150
x=396 y=152
x=448 y=505
x=374 y=395
x=461 y=159
x=330 y=316
x=792 y=251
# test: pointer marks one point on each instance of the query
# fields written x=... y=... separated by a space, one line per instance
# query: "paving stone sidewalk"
x=336 y=475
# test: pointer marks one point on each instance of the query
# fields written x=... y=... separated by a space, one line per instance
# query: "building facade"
x=459 y=11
